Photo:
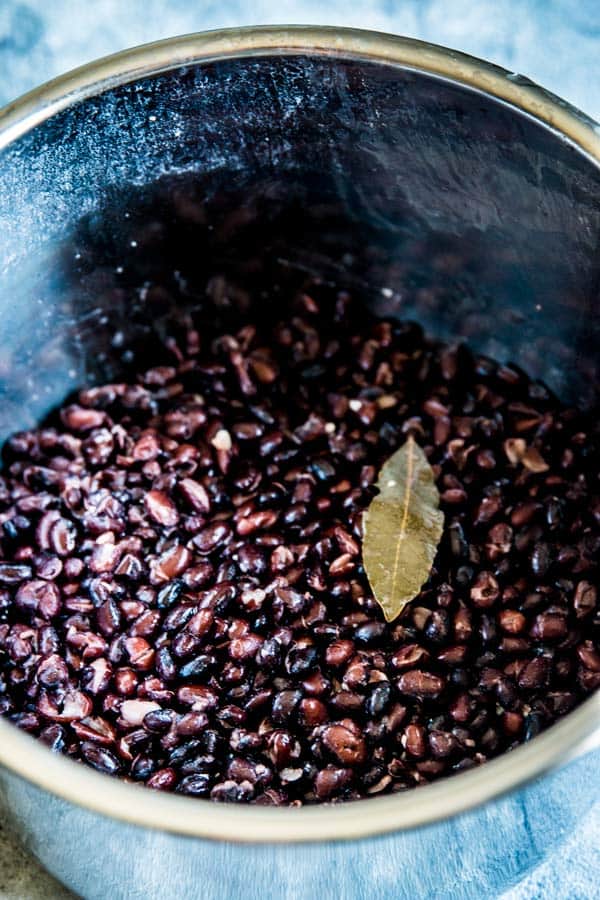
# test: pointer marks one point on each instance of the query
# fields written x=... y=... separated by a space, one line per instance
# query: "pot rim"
x=27 y=757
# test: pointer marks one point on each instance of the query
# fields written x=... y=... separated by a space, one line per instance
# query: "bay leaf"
x=402 y=529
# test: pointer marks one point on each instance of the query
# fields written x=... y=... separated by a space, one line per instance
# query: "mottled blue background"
x=554 y=42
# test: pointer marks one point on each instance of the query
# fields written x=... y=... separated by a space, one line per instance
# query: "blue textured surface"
x=554 y=42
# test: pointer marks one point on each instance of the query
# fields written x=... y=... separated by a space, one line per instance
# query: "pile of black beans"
x=182 y=597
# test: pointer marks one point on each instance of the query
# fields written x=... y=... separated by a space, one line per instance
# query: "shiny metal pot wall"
x=363 y=157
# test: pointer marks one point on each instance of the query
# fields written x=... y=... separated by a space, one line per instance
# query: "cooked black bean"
x=182 y=595
x=197 y=785
x=14 y=573
x=197 y=667
x=301 y=660
x=169 y=594
x=378 y=699
x=100 y=758
x=370 y=632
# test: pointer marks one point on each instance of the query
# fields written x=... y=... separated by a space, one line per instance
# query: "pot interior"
x=429 y=200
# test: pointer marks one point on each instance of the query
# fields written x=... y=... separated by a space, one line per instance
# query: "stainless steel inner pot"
x=373 y=160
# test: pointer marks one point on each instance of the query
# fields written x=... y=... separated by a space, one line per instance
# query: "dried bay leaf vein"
x=403 y=526
x=407 y=492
